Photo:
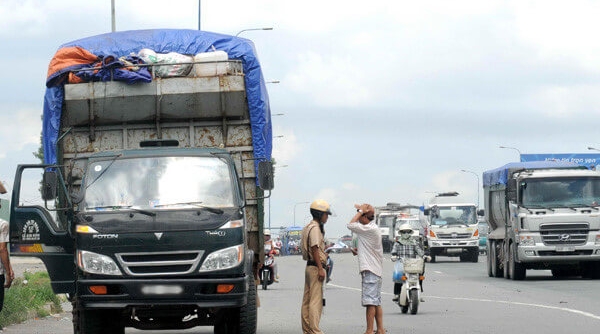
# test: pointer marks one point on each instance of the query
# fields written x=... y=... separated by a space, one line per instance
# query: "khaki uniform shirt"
x=311 y=236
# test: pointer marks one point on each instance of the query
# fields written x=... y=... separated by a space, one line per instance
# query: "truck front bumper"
x=452 y=246
x=197 y=292
x=559 y=254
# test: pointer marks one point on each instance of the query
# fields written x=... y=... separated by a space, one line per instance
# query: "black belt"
x=314 y=263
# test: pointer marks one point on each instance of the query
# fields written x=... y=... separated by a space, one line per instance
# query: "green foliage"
x=28 y=297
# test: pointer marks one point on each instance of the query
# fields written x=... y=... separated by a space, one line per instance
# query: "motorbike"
x=411 y=284
x=267 y=275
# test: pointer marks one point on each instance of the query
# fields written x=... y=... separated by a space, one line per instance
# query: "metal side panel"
x=167 y=98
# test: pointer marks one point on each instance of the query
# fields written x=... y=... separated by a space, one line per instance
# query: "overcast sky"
x=383 y=101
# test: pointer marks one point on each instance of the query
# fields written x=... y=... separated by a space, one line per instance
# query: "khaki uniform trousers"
x=312 y=301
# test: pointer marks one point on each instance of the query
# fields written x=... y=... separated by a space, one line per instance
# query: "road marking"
x=564 y=309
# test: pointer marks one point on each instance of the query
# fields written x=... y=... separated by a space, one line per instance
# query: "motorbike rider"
x=406 y=247
x=271 y=250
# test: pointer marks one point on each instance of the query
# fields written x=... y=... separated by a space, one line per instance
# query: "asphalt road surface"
x=459 y=298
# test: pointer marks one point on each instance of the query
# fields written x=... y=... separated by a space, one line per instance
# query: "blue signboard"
x=590 y=160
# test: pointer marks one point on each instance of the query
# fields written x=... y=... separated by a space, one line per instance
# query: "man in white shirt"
x=370 y=263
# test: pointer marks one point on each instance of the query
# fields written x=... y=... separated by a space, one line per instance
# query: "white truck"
x=452 y=227
x=542 y=215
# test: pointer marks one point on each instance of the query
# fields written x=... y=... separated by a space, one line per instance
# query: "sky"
x=382 y=101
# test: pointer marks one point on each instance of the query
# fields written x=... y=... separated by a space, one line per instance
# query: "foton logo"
x=105 y=236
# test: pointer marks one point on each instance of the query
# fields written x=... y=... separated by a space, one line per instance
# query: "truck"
x=385 y=218
x=542 y=215
x=452 y=227
x=150 y=200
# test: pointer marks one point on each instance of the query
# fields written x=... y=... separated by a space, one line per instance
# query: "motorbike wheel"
x=264 y=279
x=404 y=308
x=413 y=304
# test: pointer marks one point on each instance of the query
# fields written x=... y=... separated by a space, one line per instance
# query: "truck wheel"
x=517 y=270
x=95 y=321
x=495 y=263
x=241 y=320
x=489 y=261
x=591 y=270
x=474 y=255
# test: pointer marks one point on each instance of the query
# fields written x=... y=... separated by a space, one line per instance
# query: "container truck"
x=452 y=227
x=542 y=215
x=151 y=210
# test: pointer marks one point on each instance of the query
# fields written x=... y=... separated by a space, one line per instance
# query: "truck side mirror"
x=511 y=190
x=426 y=212
x=481 y=212
x=265 y=175
x=49 y=184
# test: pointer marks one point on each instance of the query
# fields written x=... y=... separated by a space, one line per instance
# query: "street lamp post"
x=477 y=176
x=241 y=31
x=295 y=210
x=512 y=148
x=593 y=149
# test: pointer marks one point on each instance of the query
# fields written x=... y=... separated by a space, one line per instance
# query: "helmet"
x=267 y=232
x=405 y=227
x=321 y=205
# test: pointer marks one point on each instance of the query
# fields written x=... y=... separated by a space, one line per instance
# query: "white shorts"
x=371 y=289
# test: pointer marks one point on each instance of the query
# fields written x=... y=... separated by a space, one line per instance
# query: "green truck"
x=151 y=194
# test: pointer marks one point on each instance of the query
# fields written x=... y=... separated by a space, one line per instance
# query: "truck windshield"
x=160 y=183
x=454 y=215
x=386 y=221
x=560 y=192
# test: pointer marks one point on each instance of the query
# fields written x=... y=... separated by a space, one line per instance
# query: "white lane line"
x=564 y=309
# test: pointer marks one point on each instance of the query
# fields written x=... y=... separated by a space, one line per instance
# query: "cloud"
x=18 y=128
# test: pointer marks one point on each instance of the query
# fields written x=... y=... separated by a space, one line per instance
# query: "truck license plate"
x=565 y=249
x=162 y=289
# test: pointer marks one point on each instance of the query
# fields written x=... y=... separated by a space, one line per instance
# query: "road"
x=460 y=298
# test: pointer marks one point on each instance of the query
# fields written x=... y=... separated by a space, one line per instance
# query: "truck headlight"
x=94 y=263
x=526 y=240
x=223 y=259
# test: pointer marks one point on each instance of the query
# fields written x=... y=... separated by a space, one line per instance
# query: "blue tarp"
x=500 y=174
x=188 y=42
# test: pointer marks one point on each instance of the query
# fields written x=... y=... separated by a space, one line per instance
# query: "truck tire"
x=516 y=270
x=473 y=255
x=95 y=321
x=240 y=320
x=493 y=259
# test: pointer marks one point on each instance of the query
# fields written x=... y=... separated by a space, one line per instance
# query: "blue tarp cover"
x=500 y=174
x=188 y=42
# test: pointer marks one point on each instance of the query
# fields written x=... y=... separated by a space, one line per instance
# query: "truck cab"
x=452 y=227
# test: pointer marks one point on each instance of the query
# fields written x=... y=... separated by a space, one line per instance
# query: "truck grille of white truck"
x=564 y=234
x=160 y=263
x=453 y=235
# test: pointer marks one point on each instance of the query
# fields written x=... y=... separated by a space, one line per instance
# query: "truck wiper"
x=129 y=207
x=196 y=204
x=538 y=207
x=583 y=205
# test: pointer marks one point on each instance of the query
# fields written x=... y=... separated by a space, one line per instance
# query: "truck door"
x=39 y=224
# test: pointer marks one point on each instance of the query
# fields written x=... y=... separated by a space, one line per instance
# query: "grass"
x=28 y=297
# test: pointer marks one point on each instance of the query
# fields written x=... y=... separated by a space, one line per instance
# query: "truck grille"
x=454 y=235
x=564 y=234
x=160 y=263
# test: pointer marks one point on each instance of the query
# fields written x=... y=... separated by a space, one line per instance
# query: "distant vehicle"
x=452 y=224
x=290 y=240
x=542 y=215
x=483 y=228
x=386 y=218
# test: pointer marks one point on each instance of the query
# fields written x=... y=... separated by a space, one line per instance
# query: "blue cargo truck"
x=150 y=211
